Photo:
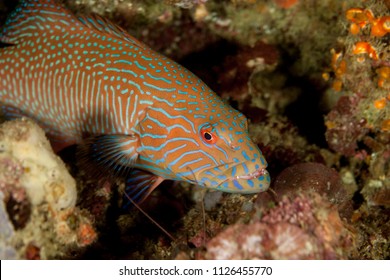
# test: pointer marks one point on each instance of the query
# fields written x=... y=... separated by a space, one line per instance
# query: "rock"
x=38 y=216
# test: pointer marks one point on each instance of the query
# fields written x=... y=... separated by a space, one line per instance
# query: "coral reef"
x=38 y=197
x=361 y=74
x=306 y=227
x=313 y=77
x=305 y=218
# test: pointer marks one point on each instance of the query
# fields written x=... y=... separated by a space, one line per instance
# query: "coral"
x=305 y=177
x=7 y=251
x=28 y=160
x=284 y=64
x=241 y=66
x=361 y=18
x=344 y=128
x=306 y=227
x=280 y=141
x=38 y=197
x=186 y=4
x=286 y=3
x=358 y=125
x=376 y=187
x=361 y=72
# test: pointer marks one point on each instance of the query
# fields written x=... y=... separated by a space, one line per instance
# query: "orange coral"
x=365 y=48
x=337 y=85
x=383 y=76
x=369 y=15
x=380 y=103
x=360 y=18
x=339 y=66
x=354 y=29
x=357 y=16
x=335 y=58
x=341 y=69
x=86 y=234
x=330 y=124
x=381 y=26
x=325 y=76
x=386 y=125
x=285 y=4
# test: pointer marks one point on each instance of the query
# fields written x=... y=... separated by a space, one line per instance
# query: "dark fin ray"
x=139 y=185
x=108 y=155
x=11 y=112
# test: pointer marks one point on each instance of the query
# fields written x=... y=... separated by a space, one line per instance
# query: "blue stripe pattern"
x=86 y=76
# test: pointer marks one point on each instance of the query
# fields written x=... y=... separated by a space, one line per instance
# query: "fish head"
x=214 y=152
x=236 y=163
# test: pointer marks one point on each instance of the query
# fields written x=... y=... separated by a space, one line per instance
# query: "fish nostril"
x=233 y=146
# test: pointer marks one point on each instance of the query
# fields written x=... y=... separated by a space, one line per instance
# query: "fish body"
x=133 y=111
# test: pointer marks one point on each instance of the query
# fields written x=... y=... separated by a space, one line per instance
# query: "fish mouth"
x=253 y=175
x=234 y=179
x=253 y=182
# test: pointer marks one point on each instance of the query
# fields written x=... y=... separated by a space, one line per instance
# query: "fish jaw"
x=255 y=182
x=246 y=177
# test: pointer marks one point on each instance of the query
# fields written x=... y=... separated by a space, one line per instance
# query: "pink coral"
x=304 y=227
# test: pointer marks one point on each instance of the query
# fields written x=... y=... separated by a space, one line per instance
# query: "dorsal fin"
x=104 y=25
x=32 y=17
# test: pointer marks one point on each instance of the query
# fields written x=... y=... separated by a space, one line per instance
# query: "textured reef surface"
x=313 y=77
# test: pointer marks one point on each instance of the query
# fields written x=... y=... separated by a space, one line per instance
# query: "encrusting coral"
x=38 y=197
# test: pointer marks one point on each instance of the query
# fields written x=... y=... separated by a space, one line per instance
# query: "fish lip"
x=260 y=171
x=253 y=175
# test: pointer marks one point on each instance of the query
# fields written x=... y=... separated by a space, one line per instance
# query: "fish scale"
x=132 y=111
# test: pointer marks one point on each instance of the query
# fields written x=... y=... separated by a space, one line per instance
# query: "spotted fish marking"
x=131 y=110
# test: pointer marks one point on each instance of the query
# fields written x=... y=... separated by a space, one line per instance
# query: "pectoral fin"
x=139 y=185
x=112 y=154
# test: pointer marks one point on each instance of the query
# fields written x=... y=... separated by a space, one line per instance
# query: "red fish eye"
x=208 y=136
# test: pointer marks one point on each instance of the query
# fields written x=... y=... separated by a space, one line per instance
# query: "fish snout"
x=245 y=177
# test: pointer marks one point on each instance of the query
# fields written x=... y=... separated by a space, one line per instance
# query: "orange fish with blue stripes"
x=132 y=111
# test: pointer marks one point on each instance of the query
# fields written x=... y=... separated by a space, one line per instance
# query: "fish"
x=132 y=111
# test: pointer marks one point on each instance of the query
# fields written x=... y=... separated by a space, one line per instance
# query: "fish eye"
x=208 y=136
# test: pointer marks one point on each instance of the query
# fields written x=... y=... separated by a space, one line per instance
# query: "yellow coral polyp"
x=354 y=29
x=380 y=27
x=335 y=58
x=384 y=72
x=369 y=15
x=357 y=16
x=380 y=103
x=383 y=83
x=383 y=76
x=337 y=85
x=386 y=23
x=339 y=66
x=325 y=76
x=86 y=234
x=386 y=125
x=341 y=69
x=330 y=124
x=365 y=48
x=285 y=4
